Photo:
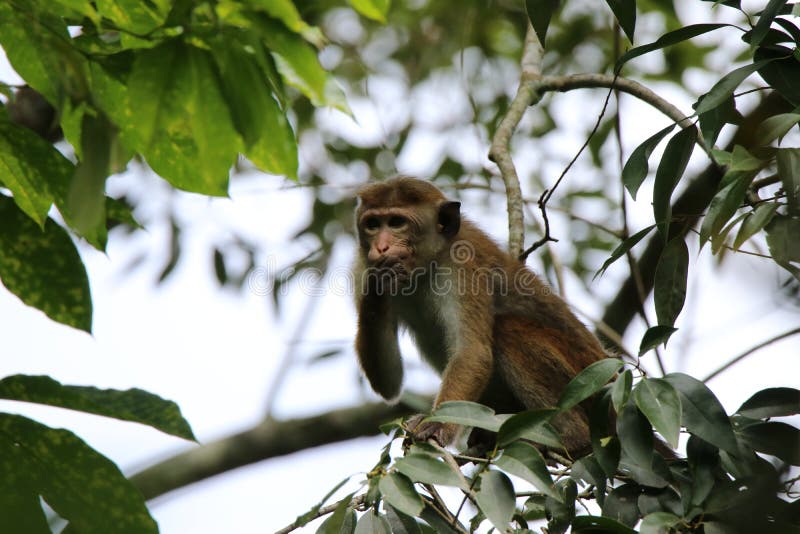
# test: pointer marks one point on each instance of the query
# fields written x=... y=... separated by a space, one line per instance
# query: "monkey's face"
x=387 y=239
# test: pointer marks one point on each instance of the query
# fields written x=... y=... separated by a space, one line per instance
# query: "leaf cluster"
x=85 y=489
x=724 y=484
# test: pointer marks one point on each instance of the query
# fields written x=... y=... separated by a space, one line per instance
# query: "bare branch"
x=268 y=439
x=548 y=193
x=750 y=351
x=625 y=85
x=325 y=510
x=500 y=151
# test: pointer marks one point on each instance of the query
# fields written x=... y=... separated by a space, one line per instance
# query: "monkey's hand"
x=443 y=433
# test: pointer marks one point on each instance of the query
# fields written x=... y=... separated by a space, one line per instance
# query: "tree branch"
x=325 y=510
x=500 y=151
x=750 y=351
x=268 y=439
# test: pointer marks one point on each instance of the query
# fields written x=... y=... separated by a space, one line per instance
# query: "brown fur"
x=495 y=331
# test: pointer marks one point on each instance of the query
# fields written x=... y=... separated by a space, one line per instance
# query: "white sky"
x=213 y=352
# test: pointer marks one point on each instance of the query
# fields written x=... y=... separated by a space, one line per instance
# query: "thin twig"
x=548 y=193
x=750 y=351
x=439 y=505
x=355 y=501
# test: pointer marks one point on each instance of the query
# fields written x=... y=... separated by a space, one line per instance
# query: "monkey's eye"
x=371 y=223
x=397 y=221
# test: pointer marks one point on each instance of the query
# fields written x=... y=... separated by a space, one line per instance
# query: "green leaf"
x=669 y=39
x=635 y=435
x=669 y=290
x=655 y=336
x=704 y=464
x=623 y=248
x=335 y=523
x=660 y=403
x=298 y=65
x=468 y=414
x=665 y=500
x=423 y=468
x=783 y=244
x=561 y=512
x=621 y=504
x=592 y=524
x=636 y=168
x=776 y=127
x=540 y=12
x=312 y=513
x=133 y=405
x=400 y=523
x=34 y=45
x=789 y=170
x=776 y=438
x=43 y=268
x=80 y=484
x=283 y=10
x=765 y=19
x=771 y=402
x=621 y=389
x=712 y=121
x=86 y=199
x=781 y=70
x=372 y=9
x=702 y=413
x=28 y=166
x=743 y=160
x=495 y=498
x=525 y=461
x=658 y=523
x=20 y=504
x=725 y=203
x=605 y=443
x=372 y=523
x=399 y=491
x=178 y=118
x=532 y=425
x=269 y=140
x=625 y=13
x=668 y=174
x=434 y=518
x=725 y=87
x=754 y=222
x=133 y=15
x=589 y=470
x=588 y=382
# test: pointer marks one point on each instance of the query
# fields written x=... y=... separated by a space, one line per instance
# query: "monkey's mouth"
x=389 y=275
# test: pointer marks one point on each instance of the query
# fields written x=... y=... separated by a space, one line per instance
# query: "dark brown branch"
x=268 y=439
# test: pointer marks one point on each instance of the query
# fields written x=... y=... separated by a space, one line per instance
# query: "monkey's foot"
x=442 y=433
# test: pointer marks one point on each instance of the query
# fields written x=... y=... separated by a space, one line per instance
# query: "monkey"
x=493 y=330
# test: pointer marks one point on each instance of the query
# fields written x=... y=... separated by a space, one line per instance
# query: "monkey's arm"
x=377 y=348
x=468 y=372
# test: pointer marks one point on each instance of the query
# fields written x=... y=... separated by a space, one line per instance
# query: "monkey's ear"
x=449 y=218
